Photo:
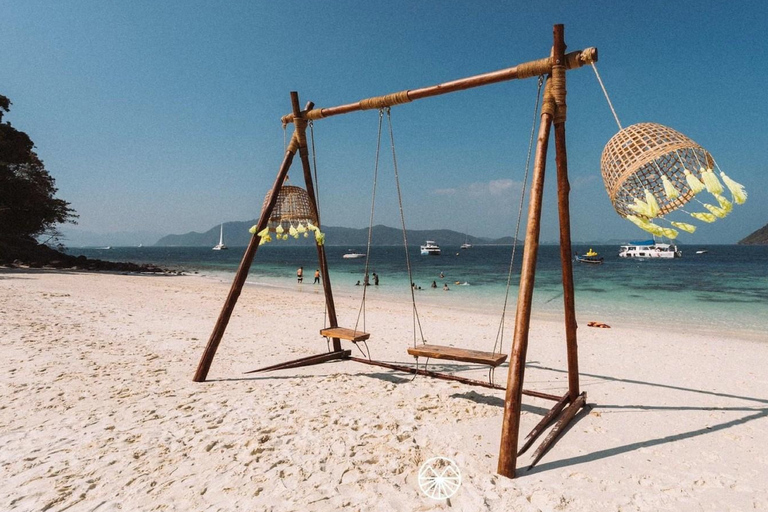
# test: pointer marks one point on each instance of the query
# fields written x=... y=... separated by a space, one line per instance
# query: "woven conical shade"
x=293 y=205
x=634 y=160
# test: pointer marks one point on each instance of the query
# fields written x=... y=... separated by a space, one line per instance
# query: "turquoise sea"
x=724 y=290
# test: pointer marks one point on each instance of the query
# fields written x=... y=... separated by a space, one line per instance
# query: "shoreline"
x=584 y=315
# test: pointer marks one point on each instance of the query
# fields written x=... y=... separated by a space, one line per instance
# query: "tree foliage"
x=28 y=207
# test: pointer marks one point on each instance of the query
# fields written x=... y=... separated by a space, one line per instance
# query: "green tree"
x=28 y=208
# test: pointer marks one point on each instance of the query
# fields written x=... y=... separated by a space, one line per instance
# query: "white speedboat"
x=351 y=255
x=430 y=248
x=649 y=249
x=466 y=245
x=220 y=246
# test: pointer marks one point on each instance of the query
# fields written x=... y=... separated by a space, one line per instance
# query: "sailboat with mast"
x=220 y=246
x=466 y=244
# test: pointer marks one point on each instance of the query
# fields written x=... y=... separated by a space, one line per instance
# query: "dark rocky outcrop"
x=759 y=237
x=28 y=253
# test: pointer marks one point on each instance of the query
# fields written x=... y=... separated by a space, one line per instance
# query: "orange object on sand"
x=598 y=324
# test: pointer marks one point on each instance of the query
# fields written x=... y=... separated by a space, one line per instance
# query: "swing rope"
x=361 y=311
x=317 y=202
x=500 y=333
x=606 y=96
x=416 y=320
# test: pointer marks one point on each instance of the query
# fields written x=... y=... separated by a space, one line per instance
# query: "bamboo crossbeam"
x=530 y=69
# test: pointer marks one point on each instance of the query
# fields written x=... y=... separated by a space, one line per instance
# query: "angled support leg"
x=306 y=361
x=245 y=264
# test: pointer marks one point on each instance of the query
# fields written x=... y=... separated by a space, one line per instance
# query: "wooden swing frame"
x=553 y=112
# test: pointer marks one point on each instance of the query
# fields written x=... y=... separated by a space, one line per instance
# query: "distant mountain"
x=759 y=237
x=236 y=235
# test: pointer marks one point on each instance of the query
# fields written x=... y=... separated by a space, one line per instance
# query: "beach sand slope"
x=99 y=412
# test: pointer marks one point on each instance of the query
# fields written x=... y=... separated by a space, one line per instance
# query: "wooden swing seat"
x=458 y=354
x=345 y=334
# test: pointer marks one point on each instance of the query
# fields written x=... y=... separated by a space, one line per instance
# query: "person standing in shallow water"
x=317 y=276
x=300 y=275
x=375 y=279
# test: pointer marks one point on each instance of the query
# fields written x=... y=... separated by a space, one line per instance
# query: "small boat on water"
x=702 y=251
x=430 y=249
x=466 y=245
x=351 y=255
x=591 y=257
x=649 y=249
x=220 y=246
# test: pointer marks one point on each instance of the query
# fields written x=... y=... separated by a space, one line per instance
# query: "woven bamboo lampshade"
x=636 y=158
x=293 y=206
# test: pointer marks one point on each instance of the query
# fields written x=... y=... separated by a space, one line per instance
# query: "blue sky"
x=164 y=116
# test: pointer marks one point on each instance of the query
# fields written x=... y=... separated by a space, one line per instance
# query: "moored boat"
x=591 y=257
x=220 y=246
x=430 y=248
x=353 y=255
x=649 y=249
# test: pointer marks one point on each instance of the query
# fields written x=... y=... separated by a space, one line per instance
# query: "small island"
x=759 y=237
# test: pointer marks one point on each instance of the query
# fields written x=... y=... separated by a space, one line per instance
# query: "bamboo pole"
x=321 y=256
x=561 y=424
x=538 y=67
x=548 y=418
x=447 y=376
x=513 y=399
x=304 y=361
x=563 y=189
x=245 y=264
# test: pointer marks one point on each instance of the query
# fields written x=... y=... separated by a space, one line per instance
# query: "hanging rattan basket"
x=293 y=205
x=634 y=160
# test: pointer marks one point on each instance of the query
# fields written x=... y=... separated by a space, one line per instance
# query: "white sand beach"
x=99 y=411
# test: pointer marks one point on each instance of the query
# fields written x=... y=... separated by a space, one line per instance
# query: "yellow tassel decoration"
x=704 y=217
x=279 y=230
x=645 y=225
x=293 y=232
x=264 y=232
x=319 y=237
x=311 y=226
x=266 y=238
x=669 y=188
x=693 y=182
x=300 y=228
x=737 y=189
x=654 y=229
x=637 y=221
x=641 y=208
x=670 y=233
x=713 y=184
x=252 y=229
x=724 y=203
x=653 y=204
x=285 y=237
x=715 y=210
x=690 y=228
